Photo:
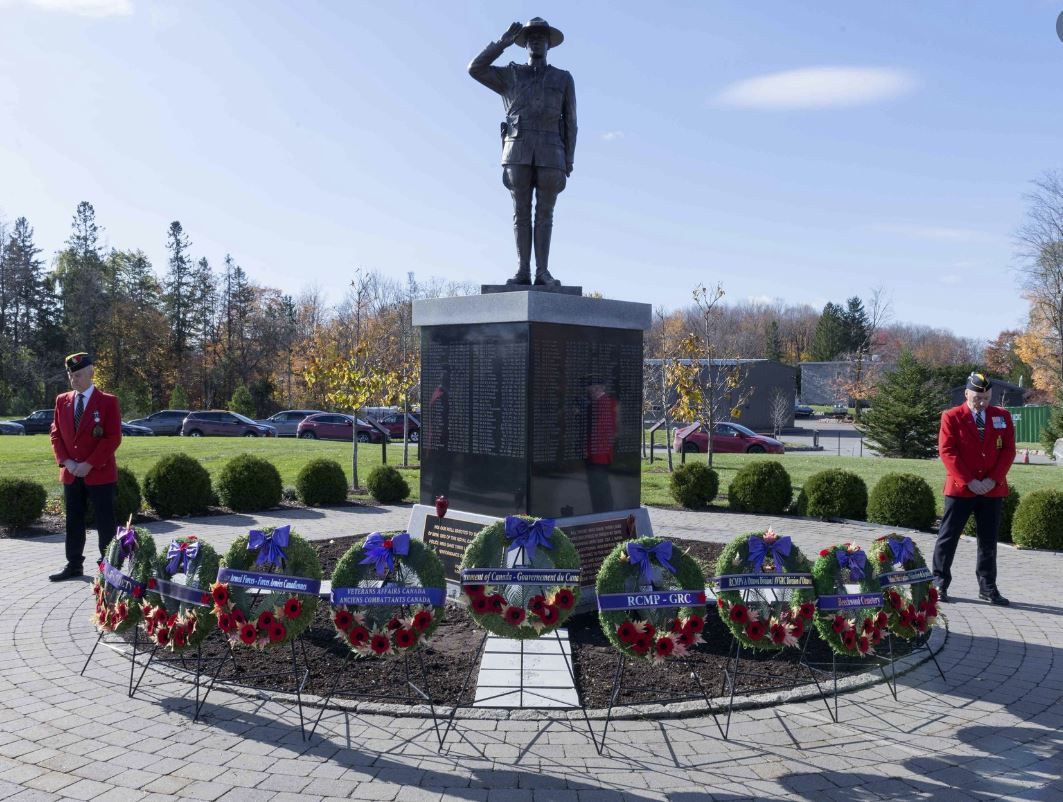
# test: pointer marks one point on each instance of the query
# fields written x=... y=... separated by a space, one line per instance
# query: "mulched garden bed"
x=453 y=648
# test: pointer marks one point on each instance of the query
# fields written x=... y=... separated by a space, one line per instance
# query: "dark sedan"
x=37 y=422
x=165 y=421
x=803 y=411
x=221 y=423
x=287 y=422
x=10 y=427
x=132 y=430
x=336 y=426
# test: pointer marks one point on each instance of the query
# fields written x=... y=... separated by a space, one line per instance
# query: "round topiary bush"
x=127 y=499
x=21 y=502
x=1007 y=516
x=248 y=483
x=321 y=482
x=694 y=485
x=761 y=486
x=1038 y=522
x=177 y=485
x=902 y=499
x=833 y=493
x=387 y=485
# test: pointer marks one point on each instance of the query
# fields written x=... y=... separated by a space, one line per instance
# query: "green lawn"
x=30 y=457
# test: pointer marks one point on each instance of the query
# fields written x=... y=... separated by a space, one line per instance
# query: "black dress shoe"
x=943 y=595
x=994 y=597
x=70 y=572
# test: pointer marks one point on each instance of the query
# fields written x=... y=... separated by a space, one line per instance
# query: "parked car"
x=165 y=421
x=803 y=411
x=393 y=424
x=37 y=422
x=10 y=427
x=221 y=423
x=133 y=430
x=727 y=438
x=337 y=426
x=287 y=422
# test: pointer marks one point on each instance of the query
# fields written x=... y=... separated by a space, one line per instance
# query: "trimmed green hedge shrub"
x=833 y=493
x=248 y=483
x=178 y=485
x=321 y=482
x=386 y=485
x=1039 y=520
x=761 y=486
x=694 y=485
x=902 y=499
x=1007 y=516
x=21 y=502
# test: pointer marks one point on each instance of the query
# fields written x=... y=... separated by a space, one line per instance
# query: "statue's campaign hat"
x=539 y=24
x=78 y=361
x=979 y=382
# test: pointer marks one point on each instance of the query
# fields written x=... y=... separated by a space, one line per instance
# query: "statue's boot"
x=542 y=256
x=523 y=234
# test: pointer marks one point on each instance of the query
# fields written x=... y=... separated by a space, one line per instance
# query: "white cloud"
x=86 y=8
x=943 y=233
x=609 y=136
x=818 y=88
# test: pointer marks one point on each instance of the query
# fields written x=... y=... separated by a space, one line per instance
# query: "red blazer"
x=83 y=446
x=967 y=456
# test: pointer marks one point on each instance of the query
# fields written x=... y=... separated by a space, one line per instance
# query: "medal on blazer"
x=97 y=430
x=1000 y=442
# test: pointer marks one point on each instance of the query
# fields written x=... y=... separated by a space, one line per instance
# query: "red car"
x=336 y=426
x=728 y=438
x=393 y=424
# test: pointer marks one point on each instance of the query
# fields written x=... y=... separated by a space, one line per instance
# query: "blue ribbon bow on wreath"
x=529 y=535
x=902 y=550
x=759 y=550
x=640 y=558
x=127 y=542
x=381 y=551
x=855 y=561
x=180 y=556
x=270 y=546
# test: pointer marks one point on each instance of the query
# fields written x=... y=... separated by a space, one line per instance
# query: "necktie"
x=979 y=419
x=79 y=408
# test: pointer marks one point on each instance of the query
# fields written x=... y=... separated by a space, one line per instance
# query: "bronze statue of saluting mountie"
x=538 y=138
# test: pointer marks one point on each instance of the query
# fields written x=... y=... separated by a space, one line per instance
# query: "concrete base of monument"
x=562 y=289
x=594 y=536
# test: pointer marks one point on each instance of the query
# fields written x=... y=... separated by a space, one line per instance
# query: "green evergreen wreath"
x=282 y=617
x=180 y=625
x=388 y=631
x=760 y=621
x=653 y=634
x=118 y=610
x=520 y=611
x=912 y=609
x=853 y=632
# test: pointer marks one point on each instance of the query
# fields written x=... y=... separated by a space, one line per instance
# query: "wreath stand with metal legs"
x=117 y=646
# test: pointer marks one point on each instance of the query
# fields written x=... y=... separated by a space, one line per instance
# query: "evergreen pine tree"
x=773 y=342
x=178 y=286
x=82 y=280
x=829 y=339
x=906 y=413
x=1054 y=428
x=856 y=326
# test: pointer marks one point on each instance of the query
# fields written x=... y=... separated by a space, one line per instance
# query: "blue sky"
x=800 y=151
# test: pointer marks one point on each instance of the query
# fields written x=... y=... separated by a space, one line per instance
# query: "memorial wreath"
x=759 y=562
x=517 y=610
x=650 y=571
x=275 y=571
x=909 y=599
x=389 y=594
x=177 y=615
x=851 y=624
x=119 y=586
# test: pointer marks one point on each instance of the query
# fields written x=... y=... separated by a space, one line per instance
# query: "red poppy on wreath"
x=778 y=633
x=162 y=636
x=358 y=636
x=380 y=643
x=343 y=620
x=932 y=594
x=405 y=638
x=675 y=626
x=151 y=584
x=664 y=646
x=179 y=636
x=422 y=620
x=514 y=616
x=481 y=604
x=839 y=624
x=205 y=598
x=882 y=557
x=755 y=630
x=920 y=622
x=549 y=615
x=824 y=552
x=797 y=628
x=876 y=636
x=220 y=593
x=226 y=623
x=293 y=608
x=265 y=620
x=686 y=638
x=641 y=645
x=627 y=632
x=248 y=633
x=881 y=619
x=863 y=644
x=473 y=591
x=394 y=624
x=739 y=613
x=277 y=632
x=808 y=609
x=138 y=591
x=498 y=602
x=239 y=617
x=695 y=624
x=536 y=604
x=868 y=625
x=720 y=603
x=849 y=639
x=564 y=599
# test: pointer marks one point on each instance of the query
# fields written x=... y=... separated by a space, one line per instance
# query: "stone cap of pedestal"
x=532 y=307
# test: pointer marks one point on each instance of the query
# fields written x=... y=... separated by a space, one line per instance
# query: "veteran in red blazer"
x=977 y=445
x=86 y=432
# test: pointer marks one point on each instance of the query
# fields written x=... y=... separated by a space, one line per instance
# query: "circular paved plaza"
x=992 y=730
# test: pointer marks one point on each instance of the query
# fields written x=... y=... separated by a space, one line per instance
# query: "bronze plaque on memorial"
x=450 y=537
x=594 y=541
